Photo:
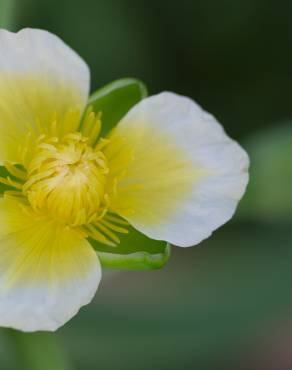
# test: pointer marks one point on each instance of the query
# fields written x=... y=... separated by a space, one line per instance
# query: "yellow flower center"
x=67 y=179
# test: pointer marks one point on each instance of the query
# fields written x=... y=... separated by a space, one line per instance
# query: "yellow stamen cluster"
x=68 y=179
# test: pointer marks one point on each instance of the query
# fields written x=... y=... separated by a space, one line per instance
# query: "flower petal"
x=42 y=80
x=47 y=271
x=184 y=176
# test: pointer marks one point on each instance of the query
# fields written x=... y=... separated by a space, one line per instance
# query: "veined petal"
x=183 y=176
x=47 y=271
x=43 y=83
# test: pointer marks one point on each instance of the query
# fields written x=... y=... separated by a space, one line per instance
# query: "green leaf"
x=116 y=99
x=269 y=192
x=135 y=252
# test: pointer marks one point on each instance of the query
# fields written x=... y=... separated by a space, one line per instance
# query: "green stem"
x=37 y=351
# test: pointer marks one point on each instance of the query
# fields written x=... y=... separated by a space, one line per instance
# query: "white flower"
x=168 y=169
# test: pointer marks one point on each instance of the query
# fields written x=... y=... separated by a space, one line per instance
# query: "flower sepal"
x=135 y=252
x=115 y=99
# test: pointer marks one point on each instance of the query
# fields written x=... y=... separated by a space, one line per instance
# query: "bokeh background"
x=225 y=304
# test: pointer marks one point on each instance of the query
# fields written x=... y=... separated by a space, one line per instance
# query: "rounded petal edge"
x=47 y=272
x=42 y=81
x=212 y=170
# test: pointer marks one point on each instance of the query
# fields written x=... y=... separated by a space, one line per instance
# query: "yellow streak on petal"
x=32 y=105
x=37 y=249
x=154 y=174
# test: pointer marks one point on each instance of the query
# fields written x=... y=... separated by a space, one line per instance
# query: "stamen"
x=98 y=236
x=14 y=193
x=95 y=131
x=113 y=227
x=37 y=177
x=107 y=225
x=88 y=122
x=108 y=232
x=91 y=126
x=9 y=182
x=16 y=172
x=116 y=219
x=70 y=122
x=80 y=218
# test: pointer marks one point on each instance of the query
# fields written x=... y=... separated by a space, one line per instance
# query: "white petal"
x=47 y=272
x=41 y=80
x=187 y=175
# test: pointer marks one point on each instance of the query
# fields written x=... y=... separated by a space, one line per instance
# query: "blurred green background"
x=225 y=304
